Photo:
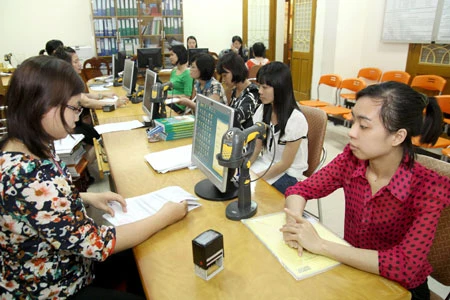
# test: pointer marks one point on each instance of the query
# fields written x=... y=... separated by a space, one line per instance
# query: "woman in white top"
x=286 y=143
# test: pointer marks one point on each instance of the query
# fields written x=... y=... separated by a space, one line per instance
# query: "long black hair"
x=278 y=75
x=402 y=107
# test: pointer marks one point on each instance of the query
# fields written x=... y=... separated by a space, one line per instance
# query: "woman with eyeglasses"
x=282 y=157
x=50 y=247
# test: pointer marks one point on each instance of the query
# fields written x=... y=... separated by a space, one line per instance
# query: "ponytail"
x=432 y=124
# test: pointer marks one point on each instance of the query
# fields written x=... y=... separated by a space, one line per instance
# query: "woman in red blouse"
x=392 y=203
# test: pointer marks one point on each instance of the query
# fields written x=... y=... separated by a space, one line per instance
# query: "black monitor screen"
x=149 y=58
x=193 y=52
x=129 y=77
x=147 y=104
x=120 y=62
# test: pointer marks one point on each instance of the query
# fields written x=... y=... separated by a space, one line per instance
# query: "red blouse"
x=399 y=221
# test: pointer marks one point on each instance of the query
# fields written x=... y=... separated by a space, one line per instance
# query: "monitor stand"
x=208 y=191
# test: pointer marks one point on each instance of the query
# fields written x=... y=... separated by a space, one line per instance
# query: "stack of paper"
x=143 y=206
x=67 y=144
x=71 y=151
x=171 y=159
x=176 y=127
x=267 y=229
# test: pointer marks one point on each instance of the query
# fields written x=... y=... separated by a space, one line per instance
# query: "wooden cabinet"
x=131 y=24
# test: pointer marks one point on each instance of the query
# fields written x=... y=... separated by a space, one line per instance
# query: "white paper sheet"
x=120 y=126
x=143 y=206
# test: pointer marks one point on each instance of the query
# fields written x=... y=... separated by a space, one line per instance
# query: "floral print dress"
x=47 y=242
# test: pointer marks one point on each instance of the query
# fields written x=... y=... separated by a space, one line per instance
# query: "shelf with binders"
x=150 y=8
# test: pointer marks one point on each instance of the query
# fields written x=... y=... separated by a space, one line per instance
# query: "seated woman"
x=236 y=47
x=191 y=42
x=180 y=77
x=258 y=50
x=202 y=70
x=87 y=100
x=50 y=247
x=284 y=152
x=392 y=202
x=244 y=96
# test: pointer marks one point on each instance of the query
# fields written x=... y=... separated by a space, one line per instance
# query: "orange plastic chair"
x=432 y=85
x=441 y=143
x=444 y=104
x=354 y=85
x=369 y=76
x=399 y=76
x=331 y=80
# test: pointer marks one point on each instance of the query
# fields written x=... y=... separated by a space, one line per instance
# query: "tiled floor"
x=332 y=206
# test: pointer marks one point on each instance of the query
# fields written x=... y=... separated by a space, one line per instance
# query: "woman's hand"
x=301 y=234
x=101 y=200
x=121 y=101
x=173 y=212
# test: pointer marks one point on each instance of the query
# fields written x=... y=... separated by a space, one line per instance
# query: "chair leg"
x=319 y=210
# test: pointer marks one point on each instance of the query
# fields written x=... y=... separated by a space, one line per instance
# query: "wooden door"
x=424 y=59
x=259 y=24
x=304 y=15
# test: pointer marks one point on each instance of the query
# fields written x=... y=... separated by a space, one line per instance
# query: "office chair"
x=92 y=68
x=317 y=126
x=431 y=85
x=331 y=80
x=253 y=72
x=439 y=257
x=399 y=76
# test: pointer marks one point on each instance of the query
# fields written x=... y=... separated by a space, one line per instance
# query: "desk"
x=250 y=271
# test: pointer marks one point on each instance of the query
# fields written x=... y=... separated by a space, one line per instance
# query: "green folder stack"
x=176 y=127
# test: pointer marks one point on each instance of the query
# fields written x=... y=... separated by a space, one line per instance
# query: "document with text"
x=143 y=206
x=267 y=229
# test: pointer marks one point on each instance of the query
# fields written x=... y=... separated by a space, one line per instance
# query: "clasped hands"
x=299 y=233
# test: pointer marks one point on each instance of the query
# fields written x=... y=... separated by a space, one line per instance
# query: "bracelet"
x=100 y=96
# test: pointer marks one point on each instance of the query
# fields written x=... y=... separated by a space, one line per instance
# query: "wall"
x=347 y=31
x=27 y=25
x=213 y=22
x=348 y=37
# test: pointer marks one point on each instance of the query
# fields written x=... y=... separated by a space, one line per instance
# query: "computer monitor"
x=150 y=58
x=151 y=109
x=118 y=62
x=129 y=77
x=193 y=52
x=212 y=120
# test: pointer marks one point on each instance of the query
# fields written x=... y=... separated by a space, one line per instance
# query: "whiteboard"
x=418 y=21
x=443 y=35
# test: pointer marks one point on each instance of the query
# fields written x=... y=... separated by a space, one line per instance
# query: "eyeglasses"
x=77 y=110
